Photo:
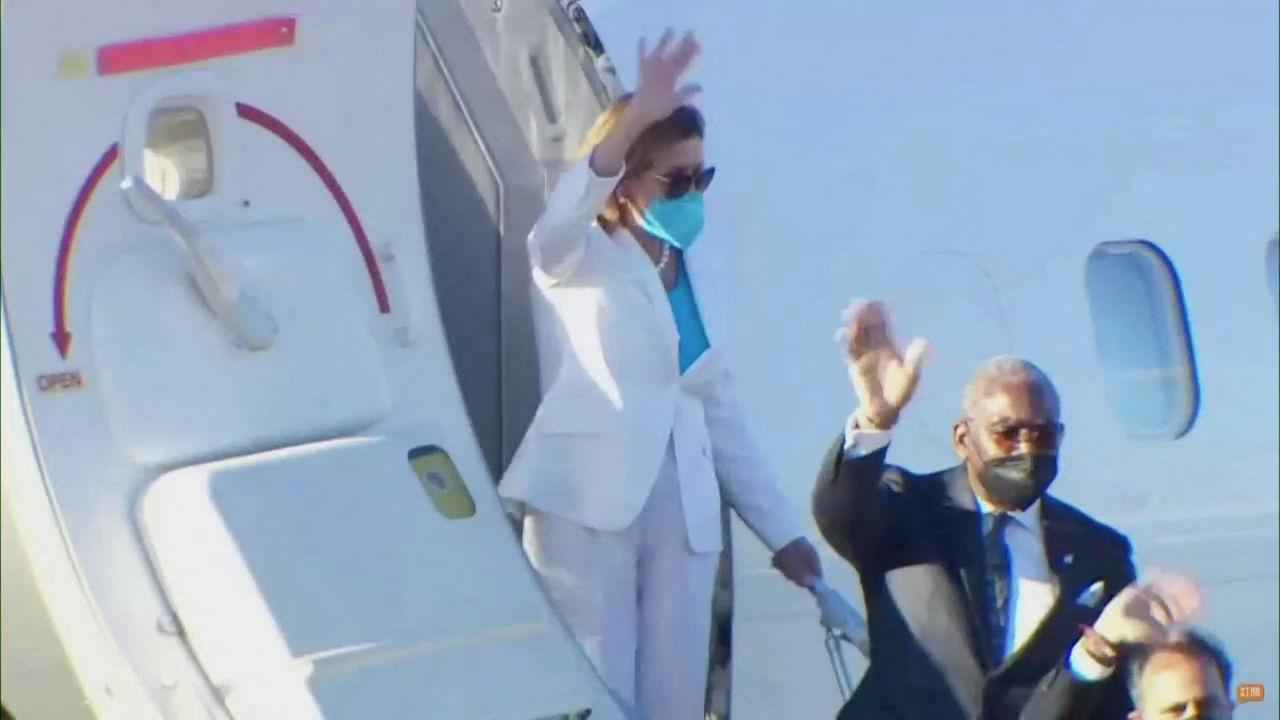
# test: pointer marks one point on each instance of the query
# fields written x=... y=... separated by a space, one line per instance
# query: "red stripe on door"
x=195 y=46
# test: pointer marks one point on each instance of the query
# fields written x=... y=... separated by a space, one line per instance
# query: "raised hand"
x=1148 y=612
x=656 y=95
x=883 y=377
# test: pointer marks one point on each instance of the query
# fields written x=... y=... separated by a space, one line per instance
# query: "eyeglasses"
x=680 y=182
x=1044 y=435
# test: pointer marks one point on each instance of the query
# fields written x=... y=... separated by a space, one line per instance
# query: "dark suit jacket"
x=916 y=543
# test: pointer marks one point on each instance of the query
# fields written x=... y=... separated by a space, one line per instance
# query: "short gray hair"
x=1003 y=369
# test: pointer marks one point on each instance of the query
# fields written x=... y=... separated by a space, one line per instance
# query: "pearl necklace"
x=666 y=255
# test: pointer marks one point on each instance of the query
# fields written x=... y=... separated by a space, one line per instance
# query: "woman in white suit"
x=638 y=434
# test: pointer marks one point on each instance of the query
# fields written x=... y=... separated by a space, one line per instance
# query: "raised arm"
x=558 y=239
x=855 y=500
x=1091 y=684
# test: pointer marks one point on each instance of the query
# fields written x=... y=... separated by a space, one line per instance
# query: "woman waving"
x=639 y=432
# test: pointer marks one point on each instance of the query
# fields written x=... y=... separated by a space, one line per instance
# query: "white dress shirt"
x=1033 y=590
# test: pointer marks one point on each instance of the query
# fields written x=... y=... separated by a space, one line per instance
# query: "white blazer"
x=597 y=441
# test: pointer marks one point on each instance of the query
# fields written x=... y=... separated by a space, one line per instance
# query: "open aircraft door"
x=243 y=480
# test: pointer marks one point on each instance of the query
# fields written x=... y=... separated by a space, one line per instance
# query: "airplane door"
x=503 y=94
x=500 y=93
x=256 y=462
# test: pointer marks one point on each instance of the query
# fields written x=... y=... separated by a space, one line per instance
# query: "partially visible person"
x=1106 y=668
x=640 y=432
x=1187 y=678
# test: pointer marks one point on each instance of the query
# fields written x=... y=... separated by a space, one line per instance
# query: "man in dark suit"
x=977 y=585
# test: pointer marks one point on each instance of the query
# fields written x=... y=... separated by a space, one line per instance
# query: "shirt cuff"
x=858 y=442
x=1086 y=668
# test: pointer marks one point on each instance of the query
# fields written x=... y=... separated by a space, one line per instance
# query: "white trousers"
x=638 y=601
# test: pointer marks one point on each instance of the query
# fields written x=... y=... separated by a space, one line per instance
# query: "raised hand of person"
x=1149 y=611
x=883 y=376
x=657 y=95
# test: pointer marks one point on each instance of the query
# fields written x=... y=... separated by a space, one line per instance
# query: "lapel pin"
x=1069 y=558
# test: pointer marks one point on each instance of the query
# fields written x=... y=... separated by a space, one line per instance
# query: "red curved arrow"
x=61 y=336
x=300 y=146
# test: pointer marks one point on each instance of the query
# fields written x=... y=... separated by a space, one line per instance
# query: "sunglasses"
x=681 y=182
x=1045 y=435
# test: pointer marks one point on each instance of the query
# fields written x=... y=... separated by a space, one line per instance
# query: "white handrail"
x=240 y=313
x=843 y=625
x=839 y=617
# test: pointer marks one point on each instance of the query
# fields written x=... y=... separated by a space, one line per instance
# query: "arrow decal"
x=300 y=146
x=61 y=335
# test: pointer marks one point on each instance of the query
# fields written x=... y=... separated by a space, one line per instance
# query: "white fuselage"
x=308 y=528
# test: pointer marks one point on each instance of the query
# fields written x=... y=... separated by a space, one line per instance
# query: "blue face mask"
x=675 y=222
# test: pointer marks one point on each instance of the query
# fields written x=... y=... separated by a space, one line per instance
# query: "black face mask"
x=1017 y=481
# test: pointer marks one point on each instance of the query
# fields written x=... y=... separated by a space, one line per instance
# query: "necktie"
x=996 y=585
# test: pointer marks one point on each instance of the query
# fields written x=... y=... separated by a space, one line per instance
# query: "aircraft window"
x=1273 y=268
x=178 y=161
x=1142 y=338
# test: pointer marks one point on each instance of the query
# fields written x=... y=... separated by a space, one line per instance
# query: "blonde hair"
x=683 y=123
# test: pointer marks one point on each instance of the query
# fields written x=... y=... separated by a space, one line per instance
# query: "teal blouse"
x=693 y=336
